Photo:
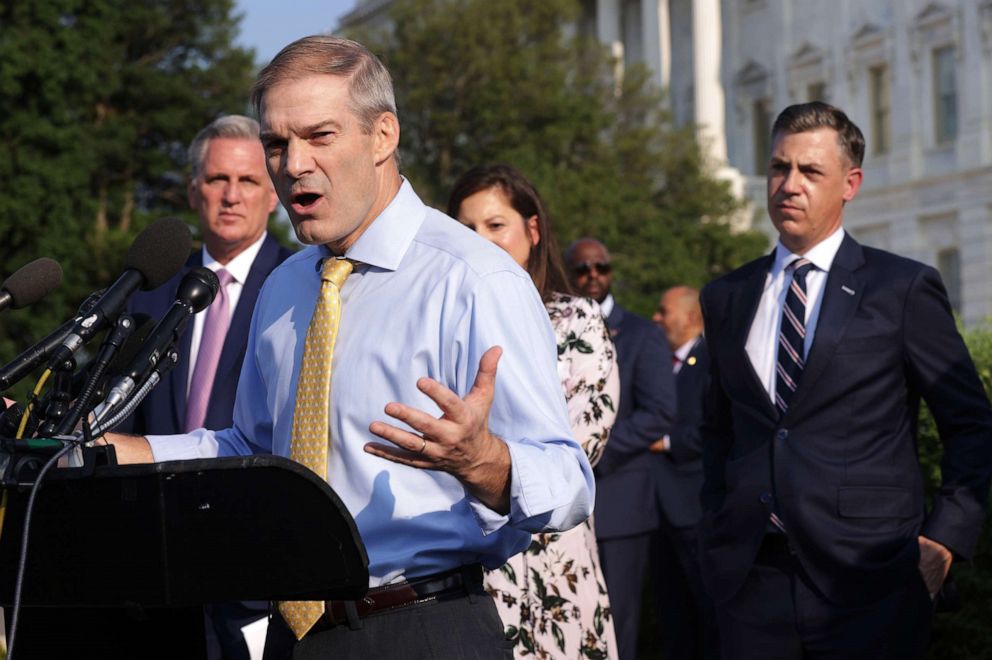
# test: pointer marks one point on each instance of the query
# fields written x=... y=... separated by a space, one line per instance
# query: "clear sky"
x=268 y=25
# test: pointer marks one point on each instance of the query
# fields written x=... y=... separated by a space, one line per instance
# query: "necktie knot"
x=224 y=277
x=336 y=271
x=801 y=267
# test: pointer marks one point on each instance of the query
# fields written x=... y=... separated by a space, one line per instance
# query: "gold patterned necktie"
x=310 y=437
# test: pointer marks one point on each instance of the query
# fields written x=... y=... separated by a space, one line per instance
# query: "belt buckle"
x=365 y=606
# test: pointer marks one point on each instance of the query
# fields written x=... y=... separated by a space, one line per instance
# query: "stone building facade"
x=916 y=75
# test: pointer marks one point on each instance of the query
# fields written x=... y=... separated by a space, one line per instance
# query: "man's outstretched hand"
x=459 y=442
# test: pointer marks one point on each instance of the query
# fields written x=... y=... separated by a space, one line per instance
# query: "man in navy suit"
x=685 y=612
x=626 y=505
x=232 y=194
x=816 y=538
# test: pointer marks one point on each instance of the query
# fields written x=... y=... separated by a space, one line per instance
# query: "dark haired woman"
x=552 y=597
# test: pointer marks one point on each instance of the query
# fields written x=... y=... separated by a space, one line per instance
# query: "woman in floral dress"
x=552 y=597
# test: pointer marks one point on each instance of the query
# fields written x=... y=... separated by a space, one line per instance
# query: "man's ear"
x=192 y=195
x=273 y=200
x=386 y=133
x=852 y=183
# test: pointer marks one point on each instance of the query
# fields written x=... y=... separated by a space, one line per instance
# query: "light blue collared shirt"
x=428 y=299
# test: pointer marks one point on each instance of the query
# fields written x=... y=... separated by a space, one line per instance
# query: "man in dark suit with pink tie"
x=232 y=194
x=816 y=538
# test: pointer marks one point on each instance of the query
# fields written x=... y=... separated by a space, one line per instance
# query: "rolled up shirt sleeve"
x=551 y=482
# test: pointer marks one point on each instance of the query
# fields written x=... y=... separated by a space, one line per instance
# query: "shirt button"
x=781 y=434
x=765 y=498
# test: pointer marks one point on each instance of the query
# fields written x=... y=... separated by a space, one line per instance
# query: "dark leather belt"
x=439 y=586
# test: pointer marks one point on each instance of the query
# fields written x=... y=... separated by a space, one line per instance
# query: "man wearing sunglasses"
x=626 y=506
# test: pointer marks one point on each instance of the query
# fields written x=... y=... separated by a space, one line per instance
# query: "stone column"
x=610 y=32
x=709 y=101
x=608 y=21
x=657 y=39
x=707 y=88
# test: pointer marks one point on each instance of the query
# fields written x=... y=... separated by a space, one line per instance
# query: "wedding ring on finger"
x=423 y=447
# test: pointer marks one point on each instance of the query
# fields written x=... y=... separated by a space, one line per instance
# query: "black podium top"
x=183 y=533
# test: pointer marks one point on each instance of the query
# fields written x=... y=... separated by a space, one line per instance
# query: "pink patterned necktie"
x=211 y=344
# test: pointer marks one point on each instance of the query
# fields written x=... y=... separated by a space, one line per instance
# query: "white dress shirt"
x=427 y=299
x=762 y=340
x=606 y=306
x=238 y=267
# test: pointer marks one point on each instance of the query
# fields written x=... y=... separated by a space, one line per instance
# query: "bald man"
x=685 y=612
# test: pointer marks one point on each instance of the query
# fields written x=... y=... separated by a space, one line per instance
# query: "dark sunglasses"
x=587 y=267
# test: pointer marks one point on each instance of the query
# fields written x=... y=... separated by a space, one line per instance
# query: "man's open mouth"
x=305 y=199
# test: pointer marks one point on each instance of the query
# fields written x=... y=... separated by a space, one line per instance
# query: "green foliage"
x=98 y=100
x=967 y=634
x=513 y=81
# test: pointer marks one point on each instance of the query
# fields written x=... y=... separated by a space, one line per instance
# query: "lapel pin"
x=849 y=291
x=691 y=361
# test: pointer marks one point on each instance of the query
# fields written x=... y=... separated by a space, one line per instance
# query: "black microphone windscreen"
x=33 y=281
x=198 y=288
x=160 y=251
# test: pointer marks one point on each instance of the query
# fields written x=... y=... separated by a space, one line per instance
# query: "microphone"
x=196 y=291
x=26 y=362
x=156 y=255
x=116 y=337
x=30 y=283
x=142 y=324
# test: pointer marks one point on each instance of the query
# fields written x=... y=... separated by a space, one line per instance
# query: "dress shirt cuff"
x=197 y=444
x=551 y=486
x=489 y=521
x=666 y=442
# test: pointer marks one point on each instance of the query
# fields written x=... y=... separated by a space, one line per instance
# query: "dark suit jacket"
x=842 y=462
x=164 y=410
x=626 y=473
x=680 y=469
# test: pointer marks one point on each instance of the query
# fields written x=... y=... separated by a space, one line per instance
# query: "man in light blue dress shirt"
x=444 y=464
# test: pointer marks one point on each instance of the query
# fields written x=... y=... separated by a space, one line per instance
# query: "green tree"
x=966 y=634
x=98 y=100
x=514 y=81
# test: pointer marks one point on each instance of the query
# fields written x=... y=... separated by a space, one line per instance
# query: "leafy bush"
x=966 y=634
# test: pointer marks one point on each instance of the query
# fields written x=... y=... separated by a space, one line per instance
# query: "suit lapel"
x=690 y=366
x=841 y=295
x=614 y=320
x=744 y=307
x=237 y=334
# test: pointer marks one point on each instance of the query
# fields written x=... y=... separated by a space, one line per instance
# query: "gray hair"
x=231 y=126
x=371 y=88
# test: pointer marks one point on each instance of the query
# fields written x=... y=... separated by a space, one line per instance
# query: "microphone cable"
x=30 y=407
x=23 y=556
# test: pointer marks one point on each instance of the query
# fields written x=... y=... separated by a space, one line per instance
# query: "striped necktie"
x=310 y=437
x=791 y=347
x=792 y=336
